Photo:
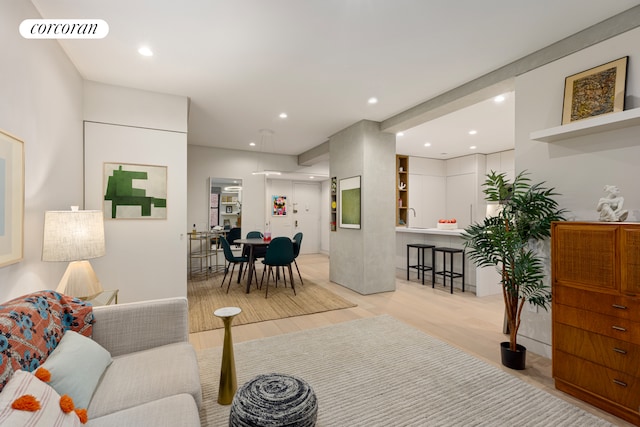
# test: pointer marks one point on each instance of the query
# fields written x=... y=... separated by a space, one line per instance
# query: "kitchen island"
x=481 y=281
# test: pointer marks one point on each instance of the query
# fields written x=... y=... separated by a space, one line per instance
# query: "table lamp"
x=75 y=236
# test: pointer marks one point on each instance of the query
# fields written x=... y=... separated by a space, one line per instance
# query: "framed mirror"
x=225 y=203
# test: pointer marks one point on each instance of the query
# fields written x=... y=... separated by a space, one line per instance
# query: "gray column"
x=364 y=259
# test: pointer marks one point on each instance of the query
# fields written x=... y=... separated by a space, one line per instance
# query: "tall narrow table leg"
x=251 y=267
x=228 y=380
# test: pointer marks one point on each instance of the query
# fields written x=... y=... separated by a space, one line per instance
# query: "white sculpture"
x=610 y=207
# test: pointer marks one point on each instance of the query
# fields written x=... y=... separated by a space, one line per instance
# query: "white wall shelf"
x=604 y=123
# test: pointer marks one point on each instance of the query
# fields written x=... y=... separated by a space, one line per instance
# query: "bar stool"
x=449 y=273
x=420 y=266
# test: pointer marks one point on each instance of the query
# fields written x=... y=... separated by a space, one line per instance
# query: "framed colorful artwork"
x=599 y=90
x=279 y=205
x=11 y=199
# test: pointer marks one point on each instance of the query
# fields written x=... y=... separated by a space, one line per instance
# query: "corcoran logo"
x=64 y=29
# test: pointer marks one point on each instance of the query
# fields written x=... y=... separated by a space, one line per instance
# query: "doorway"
x=306 y=214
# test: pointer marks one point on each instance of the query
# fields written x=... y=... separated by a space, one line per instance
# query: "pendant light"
x=266 y=137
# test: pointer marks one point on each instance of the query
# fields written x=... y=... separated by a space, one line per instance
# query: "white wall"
x=41 y=103
x=578 y=168
x=204 y=162
x=145 y=258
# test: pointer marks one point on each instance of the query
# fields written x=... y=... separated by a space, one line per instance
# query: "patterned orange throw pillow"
x=31 y=327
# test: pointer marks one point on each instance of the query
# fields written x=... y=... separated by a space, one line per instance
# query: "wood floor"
x=471 y=324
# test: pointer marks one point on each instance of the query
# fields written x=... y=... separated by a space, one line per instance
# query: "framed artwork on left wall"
x=11 y=199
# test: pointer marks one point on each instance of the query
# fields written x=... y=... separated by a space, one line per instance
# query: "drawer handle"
x=619 y=307
x=619 y=350
x=620 y=383
x=619 y=328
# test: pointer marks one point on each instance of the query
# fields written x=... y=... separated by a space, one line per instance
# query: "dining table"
x=252 y=244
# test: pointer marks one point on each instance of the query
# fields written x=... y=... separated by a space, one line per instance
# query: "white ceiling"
x=243 y=62
x=448 y=136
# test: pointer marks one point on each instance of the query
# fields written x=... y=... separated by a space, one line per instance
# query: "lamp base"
x=80 y=281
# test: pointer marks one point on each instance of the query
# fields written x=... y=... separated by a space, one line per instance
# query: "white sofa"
x=154 y=377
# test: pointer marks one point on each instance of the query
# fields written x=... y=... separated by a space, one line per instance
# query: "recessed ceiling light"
x=473 y=132
x=498 y=99
x=312 y=177
x=253 y=144
x=283 y=115
x=427 y=144
x=373 y=100
x=473 y=147
x=145 y=51
x=400 y=134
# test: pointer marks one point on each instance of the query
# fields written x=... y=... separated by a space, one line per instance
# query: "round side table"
x=228 y=380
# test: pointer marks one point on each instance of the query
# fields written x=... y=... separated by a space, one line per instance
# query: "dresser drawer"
x=615 y=354
x=611 y=305
x=613 y=385
x=621 y=329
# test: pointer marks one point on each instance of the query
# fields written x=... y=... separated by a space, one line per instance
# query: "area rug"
x=206 y=296
x=380 y=372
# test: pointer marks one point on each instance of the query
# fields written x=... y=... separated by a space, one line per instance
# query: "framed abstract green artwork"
x=350 y=202
x=133 y=191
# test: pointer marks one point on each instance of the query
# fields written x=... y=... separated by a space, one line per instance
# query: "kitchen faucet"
x=414 y=215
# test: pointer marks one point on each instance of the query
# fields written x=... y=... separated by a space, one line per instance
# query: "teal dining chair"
x=279 y=254
x=232 y=260
x=297 y=243
x=234 y=234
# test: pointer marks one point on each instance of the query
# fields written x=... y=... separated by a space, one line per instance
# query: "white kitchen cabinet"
x=461 y=198
x=427 y=196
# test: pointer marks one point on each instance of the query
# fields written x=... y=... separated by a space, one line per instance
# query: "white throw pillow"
x=76 y=366
x=49 y=414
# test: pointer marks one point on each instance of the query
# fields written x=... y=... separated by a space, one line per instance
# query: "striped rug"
x=381 y=372
x=206 y=296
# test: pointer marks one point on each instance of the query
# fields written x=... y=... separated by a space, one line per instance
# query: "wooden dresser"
x=596 y=314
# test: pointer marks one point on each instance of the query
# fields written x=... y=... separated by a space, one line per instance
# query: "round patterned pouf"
x=274 y=400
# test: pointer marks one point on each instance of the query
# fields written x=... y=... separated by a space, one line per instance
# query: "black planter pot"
x=513 y=359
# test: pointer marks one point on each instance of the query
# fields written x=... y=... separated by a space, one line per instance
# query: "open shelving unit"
x=402 y=189
x=334 y=203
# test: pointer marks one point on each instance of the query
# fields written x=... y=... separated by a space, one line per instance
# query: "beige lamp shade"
x=75 y=236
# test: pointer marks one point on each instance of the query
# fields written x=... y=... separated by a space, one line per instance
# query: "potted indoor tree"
x=505 y=240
